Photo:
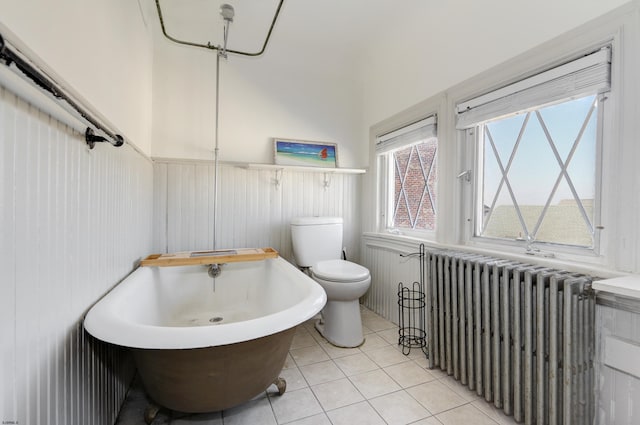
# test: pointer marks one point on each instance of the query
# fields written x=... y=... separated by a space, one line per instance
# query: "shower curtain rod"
x=28 y=71
x=209 y=46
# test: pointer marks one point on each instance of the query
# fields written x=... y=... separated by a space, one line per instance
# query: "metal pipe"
x=211 y=47
x=216 y=150
x=26 y=69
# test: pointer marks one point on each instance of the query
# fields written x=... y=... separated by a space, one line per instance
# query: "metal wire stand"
x=411 y=309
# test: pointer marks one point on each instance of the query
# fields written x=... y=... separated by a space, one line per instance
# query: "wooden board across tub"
x=192 y=258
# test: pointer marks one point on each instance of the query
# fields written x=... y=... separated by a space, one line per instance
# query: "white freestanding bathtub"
x=204 y=344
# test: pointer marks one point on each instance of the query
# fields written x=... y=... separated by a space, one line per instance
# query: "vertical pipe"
x=591 y=350
x=441 y=340
x=553 y=351
x=518 y=288
x=477 y=309
x=447 y=313
x=580 y=325
x=470 y=324
x=486 y=327
x=495 y=334
x=456 y=319
x=541 y=335
x=431 y=310
x=462 y=323
x=528 y=349
x=507 y=319
x=215 y=157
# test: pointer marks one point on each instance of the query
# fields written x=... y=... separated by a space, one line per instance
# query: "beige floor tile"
x=428 y=421
x=357 y=363
x=366 y=331
x=386 y=356
x=409 y=374
x=375 y=383
x=289 y=363
x=337 y=352
x=256 y=412
x=294 y=405
x=196 y=419
x=302 y=338
x=319 y=373
x=493 y=412
x=389 y=335
x=294 y=378
x=308 y=355
x=372 y=342
x=336 y=394
x=464 y=415
x=436 y=396
x=356 y=414
x=377 y=323
x=399 y=408
x=320 y=419
x=462 y=390
x=419 y=357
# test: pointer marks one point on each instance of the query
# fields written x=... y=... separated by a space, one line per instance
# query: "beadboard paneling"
x=253 y=211
x=388 y=269
x=73 y=222
x=618 y=393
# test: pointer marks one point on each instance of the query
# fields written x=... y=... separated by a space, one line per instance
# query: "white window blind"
x=586 y=75
x=412 y=133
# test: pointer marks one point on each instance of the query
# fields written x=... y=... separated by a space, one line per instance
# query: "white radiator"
x=521 y=336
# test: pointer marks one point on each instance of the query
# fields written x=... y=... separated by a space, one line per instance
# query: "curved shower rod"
x=209 y=46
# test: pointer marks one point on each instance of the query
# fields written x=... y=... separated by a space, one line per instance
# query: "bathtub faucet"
x=214 y=270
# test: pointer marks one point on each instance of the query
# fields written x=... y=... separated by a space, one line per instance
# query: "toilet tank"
x=316 y=239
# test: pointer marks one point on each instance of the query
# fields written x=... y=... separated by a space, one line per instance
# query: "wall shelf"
x=304 y=169
x=279 y=169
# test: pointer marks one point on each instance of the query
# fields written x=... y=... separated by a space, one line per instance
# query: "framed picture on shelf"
x=305 y=153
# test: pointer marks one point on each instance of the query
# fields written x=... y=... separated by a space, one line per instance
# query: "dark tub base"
x=213 y=378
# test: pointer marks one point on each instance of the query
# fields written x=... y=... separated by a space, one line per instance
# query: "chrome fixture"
x=214 y=270
x=227 y=12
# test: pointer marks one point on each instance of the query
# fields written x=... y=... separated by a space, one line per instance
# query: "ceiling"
x=341 y=26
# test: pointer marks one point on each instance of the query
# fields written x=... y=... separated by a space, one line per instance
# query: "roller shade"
x=587 y=75
x=412 y=133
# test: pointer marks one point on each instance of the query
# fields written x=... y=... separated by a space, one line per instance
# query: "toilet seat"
x=340 y=271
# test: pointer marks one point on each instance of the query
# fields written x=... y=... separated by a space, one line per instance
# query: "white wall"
x=431 y=46
x=102 y=49
x=73 y=223
x=253 y=210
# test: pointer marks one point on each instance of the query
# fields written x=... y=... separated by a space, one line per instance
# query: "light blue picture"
x=310 y=154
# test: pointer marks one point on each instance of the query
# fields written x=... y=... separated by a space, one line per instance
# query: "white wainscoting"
x=618 y=390
x=253 y=210
x=388 y=269
x=73 y=223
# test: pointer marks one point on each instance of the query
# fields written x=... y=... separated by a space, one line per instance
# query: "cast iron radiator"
x=521 y=336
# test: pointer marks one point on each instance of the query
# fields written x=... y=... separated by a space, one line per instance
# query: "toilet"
x=317 y=247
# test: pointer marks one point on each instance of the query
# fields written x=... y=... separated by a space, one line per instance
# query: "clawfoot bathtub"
x=204 y=344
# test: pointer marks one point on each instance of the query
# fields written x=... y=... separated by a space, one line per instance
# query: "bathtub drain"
x=215 y=319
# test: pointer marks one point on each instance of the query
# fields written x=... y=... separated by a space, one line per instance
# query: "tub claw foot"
x=150 y=413
x=281 y=384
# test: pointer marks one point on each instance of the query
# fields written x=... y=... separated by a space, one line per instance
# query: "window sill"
x=407 y=244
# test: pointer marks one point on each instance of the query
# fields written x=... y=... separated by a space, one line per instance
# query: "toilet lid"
x=340 y=270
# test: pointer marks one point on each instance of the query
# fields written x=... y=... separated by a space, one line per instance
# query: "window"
x=407 y=159
x=537 y=154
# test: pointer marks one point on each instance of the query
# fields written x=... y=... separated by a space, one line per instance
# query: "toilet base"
x=341 y=324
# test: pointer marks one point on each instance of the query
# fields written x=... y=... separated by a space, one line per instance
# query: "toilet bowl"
x=344 y=282
x=317 y=248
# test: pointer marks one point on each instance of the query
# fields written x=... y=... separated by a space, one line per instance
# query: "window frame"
x=386 y=181
x=471 y=193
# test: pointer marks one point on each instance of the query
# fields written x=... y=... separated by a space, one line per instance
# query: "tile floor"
x=370 y=385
